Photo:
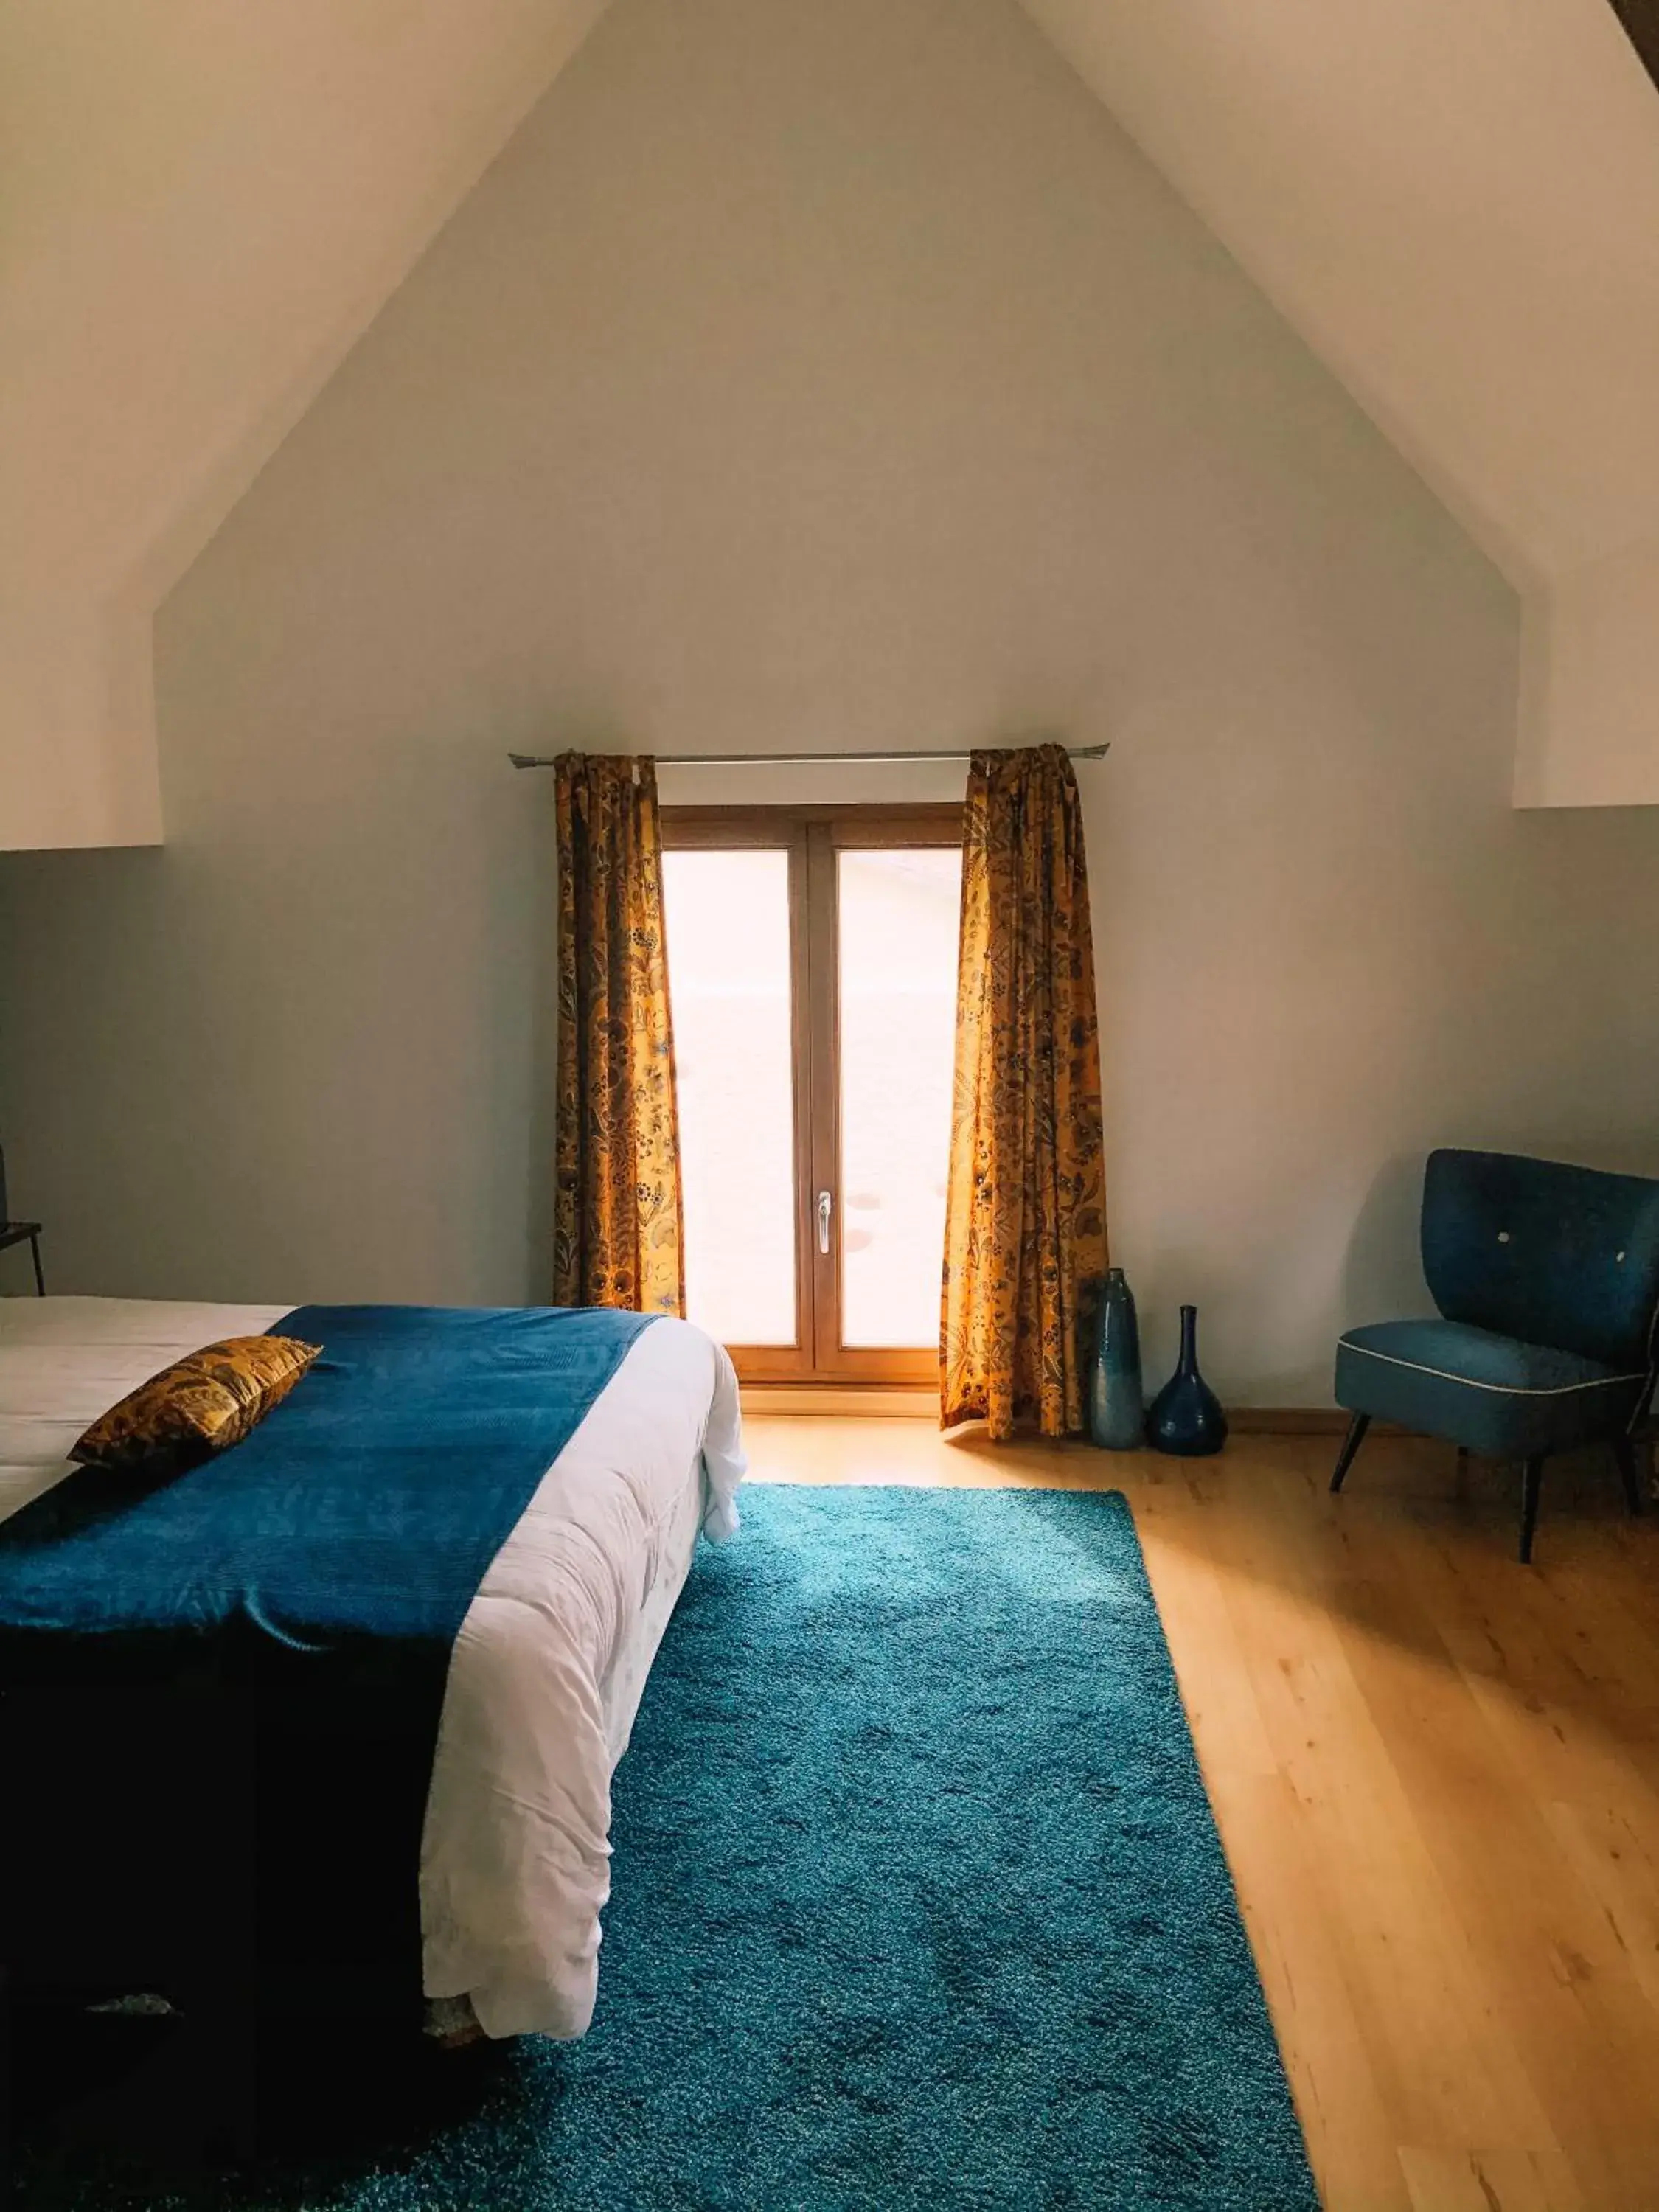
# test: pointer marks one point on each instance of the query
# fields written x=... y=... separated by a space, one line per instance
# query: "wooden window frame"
x=813 y=836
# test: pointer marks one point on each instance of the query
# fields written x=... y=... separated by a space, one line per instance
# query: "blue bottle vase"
x=1187 y=1419
x=1117 y=1410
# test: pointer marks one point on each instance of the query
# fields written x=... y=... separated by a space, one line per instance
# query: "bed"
x=546 y=1672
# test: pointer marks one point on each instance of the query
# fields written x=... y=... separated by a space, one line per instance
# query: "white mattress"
x=552 y=1655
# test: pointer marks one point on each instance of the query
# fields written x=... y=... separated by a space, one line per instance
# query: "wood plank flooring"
x=1436 y=1774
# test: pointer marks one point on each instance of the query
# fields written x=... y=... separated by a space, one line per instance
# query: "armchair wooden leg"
x=1624 y=1452
x=1532 y=1476
x=1350 y=1445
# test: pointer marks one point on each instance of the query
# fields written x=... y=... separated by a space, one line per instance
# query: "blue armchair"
x=1548 y=1281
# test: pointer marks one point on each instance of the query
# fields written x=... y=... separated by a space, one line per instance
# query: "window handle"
x=823 y=1222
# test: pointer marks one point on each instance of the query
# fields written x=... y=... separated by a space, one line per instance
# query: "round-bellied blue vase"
x=1117 y=1407
x=1187 y=1419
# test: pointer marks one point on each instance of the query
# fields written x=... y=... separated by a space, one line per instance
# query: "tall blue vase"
x=1117 y=1409
x=1187 y=1419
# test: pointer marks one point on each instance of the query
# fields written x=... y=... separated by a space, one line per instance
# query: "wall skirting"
x=918 y=1401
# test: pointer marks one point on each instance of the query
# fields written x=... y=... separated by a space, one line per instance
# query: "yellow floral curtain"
x=619 y=1219
x=1025 y=1214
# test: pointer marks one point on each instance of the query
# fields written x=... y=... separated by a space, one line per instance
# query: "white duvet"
x=551 y=1658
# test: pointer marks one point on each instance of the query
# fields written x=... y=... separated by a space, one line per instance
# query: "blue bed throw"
x=369 y=1502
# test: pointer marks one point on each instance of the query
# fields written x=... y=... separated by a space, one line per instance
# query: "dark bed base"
x=164 y=1840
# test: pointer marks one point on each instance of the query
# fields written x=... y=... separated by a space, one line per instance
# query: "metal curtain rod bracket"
x=794 y=760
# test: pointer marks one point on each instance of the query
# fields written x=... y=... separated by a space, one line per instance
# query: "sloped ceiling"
x=204 y=203
x=1458 y=207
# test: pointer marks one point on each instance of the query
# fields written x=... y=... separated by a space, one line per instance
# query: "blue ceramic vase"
x=1117 y=1409
x=1187 y=1419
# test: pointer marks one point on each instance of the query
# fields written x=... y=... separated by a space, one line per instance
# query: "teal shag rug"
x=917 y=1903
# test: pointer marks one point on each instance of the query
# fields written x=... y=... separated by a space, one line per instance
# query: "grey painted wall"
x=815 y=376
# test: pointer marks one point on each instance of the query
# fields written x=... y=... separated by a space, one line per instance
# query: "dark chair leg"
x=1350 y=1445
x=1532 y=1476
x=1624 y=1452
x=39 y=1277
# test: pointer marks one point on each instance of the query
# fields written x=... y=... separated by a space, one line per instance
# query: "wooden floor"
x=1436 y=1774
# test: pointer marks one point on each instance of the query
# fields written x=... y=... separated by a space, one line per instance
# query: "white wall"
x=1590 y=721
x=816 y=377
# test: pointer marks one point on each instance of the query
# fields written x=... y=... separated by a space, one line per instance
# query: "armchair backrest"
x=1554 y=1255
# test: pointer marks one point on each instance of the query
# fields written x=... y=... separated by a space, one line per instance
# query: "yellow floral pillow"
x=201 y=1404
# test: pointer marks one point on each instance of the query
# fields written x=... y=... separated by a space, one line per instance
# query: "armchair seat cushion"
x=1493 y=1394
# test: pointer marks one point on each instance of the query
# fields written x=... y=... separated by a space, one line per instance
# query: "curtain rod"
x=793 y=760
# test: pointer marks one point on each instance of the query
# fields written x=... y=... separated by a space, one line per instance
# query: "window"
x=813 y=959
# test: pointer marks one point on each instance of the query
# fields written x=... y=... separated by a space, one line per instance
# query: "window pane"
x=898 y=991
x=728 y=980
